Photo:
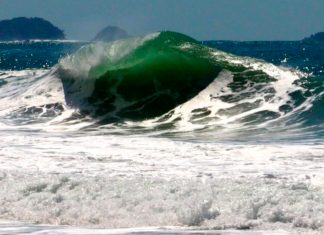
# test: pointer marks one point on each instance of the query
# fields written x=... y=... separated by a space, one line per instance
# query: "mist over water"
x=163 y=130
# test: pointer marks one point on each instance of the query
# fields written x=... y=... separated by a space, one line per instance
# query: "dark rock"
x=111 y=33
x=23 y=28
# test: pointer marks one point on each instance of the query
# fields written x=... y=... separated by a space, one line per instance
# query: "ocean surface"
x=161 y=134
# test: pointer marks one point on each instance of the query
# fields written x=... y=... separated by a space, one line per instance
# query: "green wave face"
x=154 y=77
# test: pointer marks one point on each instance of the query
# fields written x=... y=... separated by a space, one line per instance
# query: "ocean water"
x=161 y=134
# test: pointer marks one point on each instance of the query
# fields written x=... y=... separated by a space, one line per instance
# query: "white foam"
x=59 y=174
x=231 y=123
x=7 y=228
x=115 y=181
x=29 y=88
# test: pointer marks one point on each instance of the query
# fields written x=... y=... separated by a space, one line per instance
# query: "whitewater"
x=160 y=134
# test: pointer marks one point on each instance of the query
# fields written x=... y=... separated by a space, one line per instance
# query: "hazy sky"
x=201 y=19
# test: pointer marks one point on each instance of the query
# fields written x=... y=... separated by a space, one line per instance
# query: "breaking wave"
x=170 y=82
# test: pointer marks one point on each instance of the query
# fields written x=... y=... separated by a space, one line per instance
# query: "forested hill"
x=23 y=28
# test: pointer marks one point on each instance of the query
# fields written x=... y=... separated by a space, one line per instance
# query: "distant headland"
x=111 y=33
x=317 y=37
x=23 y=28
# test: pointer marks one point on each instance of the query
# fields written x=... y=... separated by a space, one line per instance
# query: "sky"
x=201 y=19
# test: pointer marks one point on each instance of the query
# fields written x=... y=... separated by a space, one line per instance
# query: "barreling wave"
x=170 y=82
x=146 y=77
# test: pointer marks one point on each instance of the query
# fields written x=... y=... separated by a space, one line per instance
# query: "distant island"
x=111 y=33
x=317 y=37
x=23 y=28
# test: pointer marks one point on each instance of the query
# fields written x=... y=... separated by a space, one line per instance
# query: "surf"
x=163 y=82
x=167 y=80
x=179 y=120
x=145 y=77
